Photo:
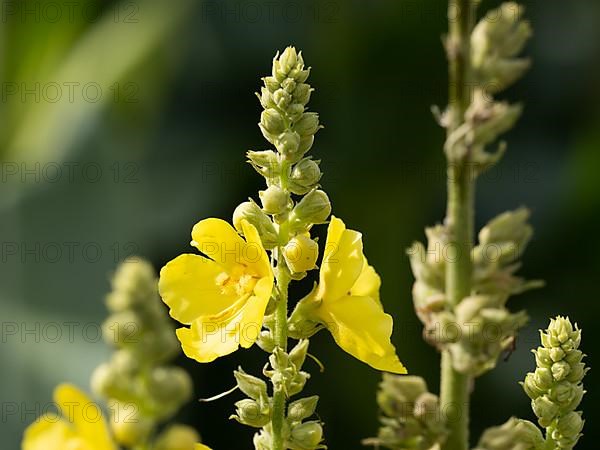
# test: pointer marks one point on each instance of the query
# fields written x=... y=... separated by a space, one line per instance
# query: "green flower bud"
x=570 y=424
x=266 y=98
x=288 y=85
x=298 y=353
x=295 y=111
x=302 y=409
x=301 y=253
x=282 y=98
x=306 y=144
x=312 y=209
x=302 y=93
x=271 y=121
x=274 y=200
x=307 y=435
x=171 y=385
x=253 y=387
x=106 y=381
x=288 y=145
x=495 y=42
x=288 y=59
x=305 y=176
x=265 y=163
x=123 y=328
x=308 y=124
x=515 y=434
x=271 y=84
x=129 y=426
x=545 y=409
x=560 y=370
x=251 y=212
x=250 y=412
x=427 y=408
x=177 y=437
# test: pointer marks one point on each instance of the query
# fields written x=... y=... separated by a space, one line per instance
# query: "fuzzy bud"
x=314 y=208
x=307 y=435
x=274 y=200
x=301 y=253
x=251 y=212
x=177 y=437
x=305 y=176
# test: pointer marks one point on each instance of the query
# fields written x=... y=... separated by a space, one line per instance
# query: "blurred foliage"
x=168 y=150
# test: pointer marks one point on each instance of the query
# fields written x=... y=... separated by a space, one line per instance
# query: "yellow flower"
x=222 y=297
x=82 y=426
x=202 y=447
x=346 y=302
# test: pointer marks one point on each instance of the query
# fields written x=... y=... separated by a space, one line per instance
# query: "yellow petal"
x=361 y=328
x=48 y=432
x=342 y=261
x=254 y=256
x=368 y=283
x=219 y=241
x=213 y=336
x=84 y=415
x=188 y=286
x=201 y=447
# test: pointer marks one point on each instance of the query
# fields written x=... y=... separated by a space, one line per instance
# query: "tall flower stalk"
x=236 y=294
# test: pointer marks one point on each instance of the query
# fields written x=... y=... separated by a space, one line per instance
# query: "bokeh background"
x=124 y=123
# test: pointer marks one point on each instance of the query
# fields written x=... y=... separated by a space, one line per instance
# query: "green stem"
x=281 y=338
x=454 y=386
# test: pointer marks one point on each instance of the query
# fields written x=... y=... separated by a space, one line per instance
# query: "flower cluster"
x=480 y=327
x=412 y=418
x=556 y=388
x=236 y=294
x=140 y=389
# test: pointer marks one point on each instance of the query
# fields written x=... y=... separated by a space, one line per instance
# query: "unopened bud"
x=250 y=412
x=308 y=124
x=302 y=93
x=288 y=145
x=307 y=435
x=272 y=122
x=253 y=387
x=255 y=216
x=129 y=426
x=301 y=253
x=177 y=437
x=288 y=59
x=314 y=208
x=301 y=409
x=274 y=200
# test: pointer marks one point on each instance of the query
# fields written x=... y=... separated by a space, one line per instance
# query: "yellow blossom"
x=81 y=427
x=346 y=301
x=223 y=296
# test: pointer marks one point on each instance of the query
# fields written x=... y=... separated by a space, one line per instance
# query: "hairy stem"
x=281 y=337
x=454 y=386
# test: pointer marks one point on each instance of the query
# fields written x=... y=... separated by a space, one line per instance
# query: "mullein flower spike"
x=237 y=293
x=480 y=328
x=141 y=389
x=556 y=388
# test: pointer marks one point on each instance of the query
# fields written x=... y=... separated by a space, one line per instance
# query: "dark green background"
x=178 y=131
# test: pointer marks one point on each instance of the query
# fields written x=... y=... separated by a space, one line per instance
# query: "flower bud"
x=313 y=208
x=308 y=124
x=177 y=437
x=272 y=122
x=249 y=412
x=288 y=59
x=298 y=353
x=271 y=83
x=305 y=176
x=295 y=111
x=288 y=85
x=307 y=435
x=301 y=253
x=253 y=387
x=170 y=385
x=122 y=328
x=129 y=426
x=265 y=162
x=282 y=98
x=545 y=409
x=105 y=381
x=251 y=212
x=288 y=145
x=301 y=409
x=274 y=200
x=302 y=93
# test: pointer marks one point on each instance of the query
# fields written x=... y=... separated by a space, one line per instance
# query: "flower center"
x=237 y=282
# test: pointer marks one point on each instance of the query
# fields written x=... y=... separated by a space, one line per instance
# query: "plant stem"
x=281 y=337
x=454 y=386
